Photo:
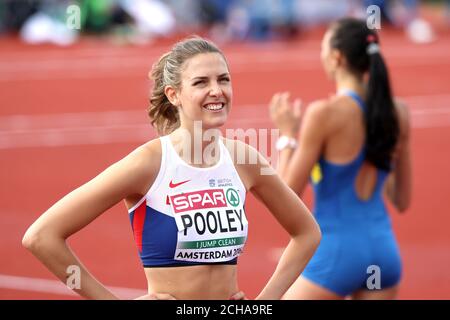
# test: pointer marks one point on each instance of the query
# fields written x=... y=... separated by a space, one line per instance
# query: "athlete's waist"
x=214 y=281
x=149 y=263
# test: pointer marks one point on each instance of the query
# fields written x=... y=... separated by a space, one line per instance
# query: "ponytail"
x=382 y=128
x=360 y=47
x=163 y=114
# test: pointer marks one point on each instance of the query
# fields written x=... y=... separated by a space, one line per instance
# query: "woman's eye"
x=225 y=80
x=198 y=82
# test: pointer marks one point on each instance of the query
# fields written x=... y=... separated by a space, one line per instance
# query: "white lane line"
x=276 y=50
x=94 y=128
x=69 y=64
x=101 y=63
x=139 y=70
x=72 y=119
x=75 y=136
x=57 y=287
x=274 y=254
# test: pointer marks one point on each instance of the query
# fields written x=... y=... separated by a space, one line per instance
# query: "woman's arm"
x=398 y=186
x=287 y=119
x=295 y=218
x=46 y=237
x=295 y=166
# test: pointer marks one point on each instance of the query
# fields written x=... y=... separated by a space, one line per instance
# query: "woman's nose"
x=215 y=90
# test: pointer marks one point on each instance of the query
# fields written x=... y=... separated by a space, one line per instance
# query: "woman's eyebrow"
x=199 y=78
x=204 y=77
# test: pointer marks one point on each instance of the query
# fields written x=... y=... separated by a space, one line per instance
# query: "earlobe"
x=336 y=58
x=335 y=64
x=171 y=95
x=340 y=59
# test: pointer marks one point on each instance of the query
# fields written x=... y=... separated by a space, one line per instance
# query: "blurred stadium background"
x=73 y=101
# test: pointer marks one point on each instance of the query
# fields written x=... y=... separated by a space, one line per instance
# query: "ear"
x=172 y=94
x=338 y=58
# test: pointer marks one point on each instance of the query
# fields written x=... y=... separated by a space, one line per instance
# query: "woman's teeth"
x=214 y=106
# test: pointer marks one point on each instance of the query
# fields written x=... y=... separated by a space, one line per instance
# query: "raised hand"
x=285 y=115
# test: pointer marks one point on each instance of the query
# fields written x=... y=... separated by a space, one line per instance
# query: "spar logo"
x=233 y=197
x=204 y=199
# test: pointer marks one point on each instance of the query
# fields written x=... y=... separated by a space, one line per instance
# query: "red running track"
x=68 y=113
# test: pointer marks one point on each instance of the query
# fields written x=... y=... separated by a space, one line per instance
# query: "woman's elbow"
x=35 y=240
x=402 y=206
x=313 y=236
x=31 y=239
x=316 y=236
x=402 y=203
x=294 y=185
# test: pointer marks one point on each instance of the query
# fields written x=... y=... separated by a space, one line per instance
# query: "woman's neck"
x=349 y=81
x=196 y=146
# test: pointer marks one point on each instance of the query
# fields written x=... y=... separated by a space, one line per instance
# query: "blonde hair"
x=167 y=71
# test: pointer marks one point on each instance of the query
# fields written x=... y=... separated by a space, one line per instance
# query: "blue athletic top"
x=336 y=201
x=357 y=236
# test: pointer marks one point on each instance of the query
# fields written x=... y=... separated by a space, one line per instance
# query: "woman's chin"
x=215 y=122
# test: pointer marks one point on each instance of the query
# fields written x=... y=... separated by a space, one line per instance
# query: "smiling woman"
x=189 y=226
x=194 y=74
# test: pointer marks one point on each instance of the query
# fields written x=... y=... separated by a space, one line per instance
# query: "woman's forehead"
x=204 y=64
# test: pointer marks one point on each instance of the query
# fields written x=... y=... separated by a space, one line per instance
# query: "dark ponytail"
x=382 y=127
x=360 y=46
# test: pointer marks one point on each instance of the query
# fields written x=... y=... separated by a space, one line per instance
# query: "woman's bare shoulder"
x=143 y=163
x=239 y=149
x=248 y=161
x=320 y=115
x=146 y=154
x=320 y=106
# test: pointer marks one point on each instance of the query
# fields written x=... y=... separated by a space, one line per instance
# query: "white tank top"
x=191 y=215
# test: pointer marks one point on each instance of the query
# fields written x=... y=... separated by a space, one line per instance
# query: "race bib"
x=212 y=226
